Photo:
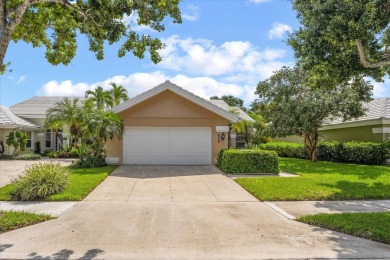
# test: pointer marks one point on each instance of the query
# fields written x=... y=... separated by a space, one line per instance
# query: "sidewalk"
x=40 y=207
x=295 y=209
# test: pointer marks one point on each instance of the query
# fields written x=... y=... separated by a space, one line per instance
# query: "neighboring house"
x=29 y=116
x=373 y=127
x=169 y=125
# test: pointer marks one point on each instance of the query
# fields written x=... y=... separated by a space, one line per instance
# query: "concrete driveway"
x=178 y=212
x=10 y=169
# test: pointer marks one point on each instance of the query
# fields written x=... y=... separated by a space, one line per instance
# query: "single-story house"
x=373 y=127
x=165 y=125
x=29 y=116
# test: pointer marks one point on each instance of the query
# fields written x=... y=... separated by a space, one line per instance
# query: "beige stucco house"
x=29 y=116
x=169 y=125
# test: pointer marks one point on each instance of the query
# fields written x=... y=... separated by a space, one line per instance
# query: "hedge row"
x=350 y=152
x=248 y=161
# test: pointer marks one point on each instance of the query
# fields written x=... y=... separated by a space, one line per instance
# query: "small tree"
x=18 y=140
x=296 y=108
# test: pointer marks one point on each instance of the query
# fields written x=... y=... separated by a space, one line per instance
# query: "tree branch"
x=363 y=58
x=63 y=2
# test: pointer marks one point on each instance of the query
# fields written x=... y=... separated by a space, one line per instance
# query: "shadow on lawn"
x=358 y=190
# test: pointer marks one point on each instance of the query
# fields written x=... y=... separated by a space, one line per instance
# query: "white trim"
x=379 y=121
x=112 y=160
x=381 y=130
x=167 y=85
x=222 y=129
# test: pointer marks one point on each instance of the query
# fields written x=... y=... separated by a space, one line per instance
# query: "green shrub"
x=28 y=156
x=363 y=153
x=41 y=180
x=89 y=162
x=249 y=161
x=286 y=149
x=74 y=152
x=330 y=151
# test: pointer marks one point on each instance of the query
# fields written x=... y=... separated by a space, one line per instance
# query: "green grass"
x=10 y=220
x=82 y=182
x=321 y=181
x=373 y=226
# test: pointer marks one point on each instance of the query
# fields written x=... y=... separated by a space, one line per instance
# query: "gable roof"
x=10 y=120
x=167 y=85
x=377 y=111
x=236 y=110
x=36 y=107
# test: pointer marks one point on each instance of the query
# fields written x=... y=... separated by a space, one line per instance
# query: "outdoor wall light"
x=223 y=136
x=111 y=136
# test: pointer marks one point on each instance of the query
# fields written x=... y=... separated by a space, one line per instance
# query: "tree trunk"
x=311 y=142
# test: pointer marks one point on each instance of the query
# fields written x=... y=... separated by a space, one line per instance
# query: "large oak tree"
x=343 y=38
x=55 y=25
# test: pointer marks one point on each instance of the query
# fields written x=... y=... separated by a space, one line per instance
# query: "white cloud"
x=380 y=88
x=190 y=13
x=238 y=61
x=138 y=83
x=259 y=1
x=21 y=79
x=278 y=30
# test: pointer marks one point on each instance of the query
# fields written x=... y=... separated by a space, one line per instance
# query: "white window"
x=48 y=139
x=29 y=139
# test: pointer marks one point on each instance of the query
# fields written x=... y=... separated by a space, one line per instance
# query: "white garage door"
x=167 y=145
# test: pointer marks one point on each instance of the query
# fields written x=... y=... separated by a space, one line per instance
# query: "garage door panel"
x=167 y=145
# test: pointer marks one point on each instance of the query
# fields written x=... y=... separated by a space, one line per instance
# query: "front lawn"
x=321 y=181
x=373 y=226
x=10 y=220
x=82 y=182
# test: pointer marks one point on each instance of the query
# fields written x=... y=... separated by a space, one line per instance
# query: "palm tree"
x=100 y=98
x=118 y=93
x=100 y=125
x=66 y=112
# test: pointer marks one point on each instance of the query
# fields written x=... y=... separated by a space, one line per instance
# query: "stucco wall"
x=169 y=110
x=361 y=134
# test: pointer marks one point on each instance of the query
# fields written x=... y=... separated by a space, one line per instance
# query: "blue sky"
x=221 y=48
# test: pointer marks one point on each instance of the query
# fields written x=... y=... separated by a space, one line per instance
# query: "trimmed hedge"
x=248 y=161
x=286 y=149
x=350 y=152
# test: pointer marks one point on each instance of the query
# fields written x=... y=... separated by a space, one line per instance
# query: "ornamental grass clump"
x=41 y=180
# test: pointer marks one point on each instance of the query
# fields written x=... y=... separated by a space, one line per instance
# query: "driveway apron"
x=177 y=212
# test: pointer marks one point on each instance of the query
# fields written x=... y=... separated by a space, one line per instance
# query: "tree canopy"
x=294 y=107
x=55 y=24
x=343 y=38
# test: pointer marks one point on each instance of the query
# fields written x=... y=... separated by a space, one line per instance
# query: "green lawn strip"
x=321 y=181
x=82 y=182
x=373 y=226
x=10 y=220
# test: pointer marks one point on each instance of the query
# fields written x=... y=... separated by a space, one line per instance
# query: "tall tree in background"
x=119 y=93
x=231 y=101
x=55 y=24
x=100 y=98
x=343 y=38
x=296 y=108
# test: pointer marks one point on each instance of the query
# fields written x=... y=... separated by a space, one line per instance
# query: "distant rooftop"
x=10 y=120
x=376 y=109
x=36 y=107
x=235 y=110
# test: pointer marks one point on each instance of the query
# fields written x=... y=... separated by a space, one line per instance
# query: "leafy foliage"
x=101 y=22
x=41 y=180
x=18 y=140
x=350 y=152
x=28 y=156
x=343 y=39
x=99 y=98
x=295 y=107
x=119 y=93
x=249 y=161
